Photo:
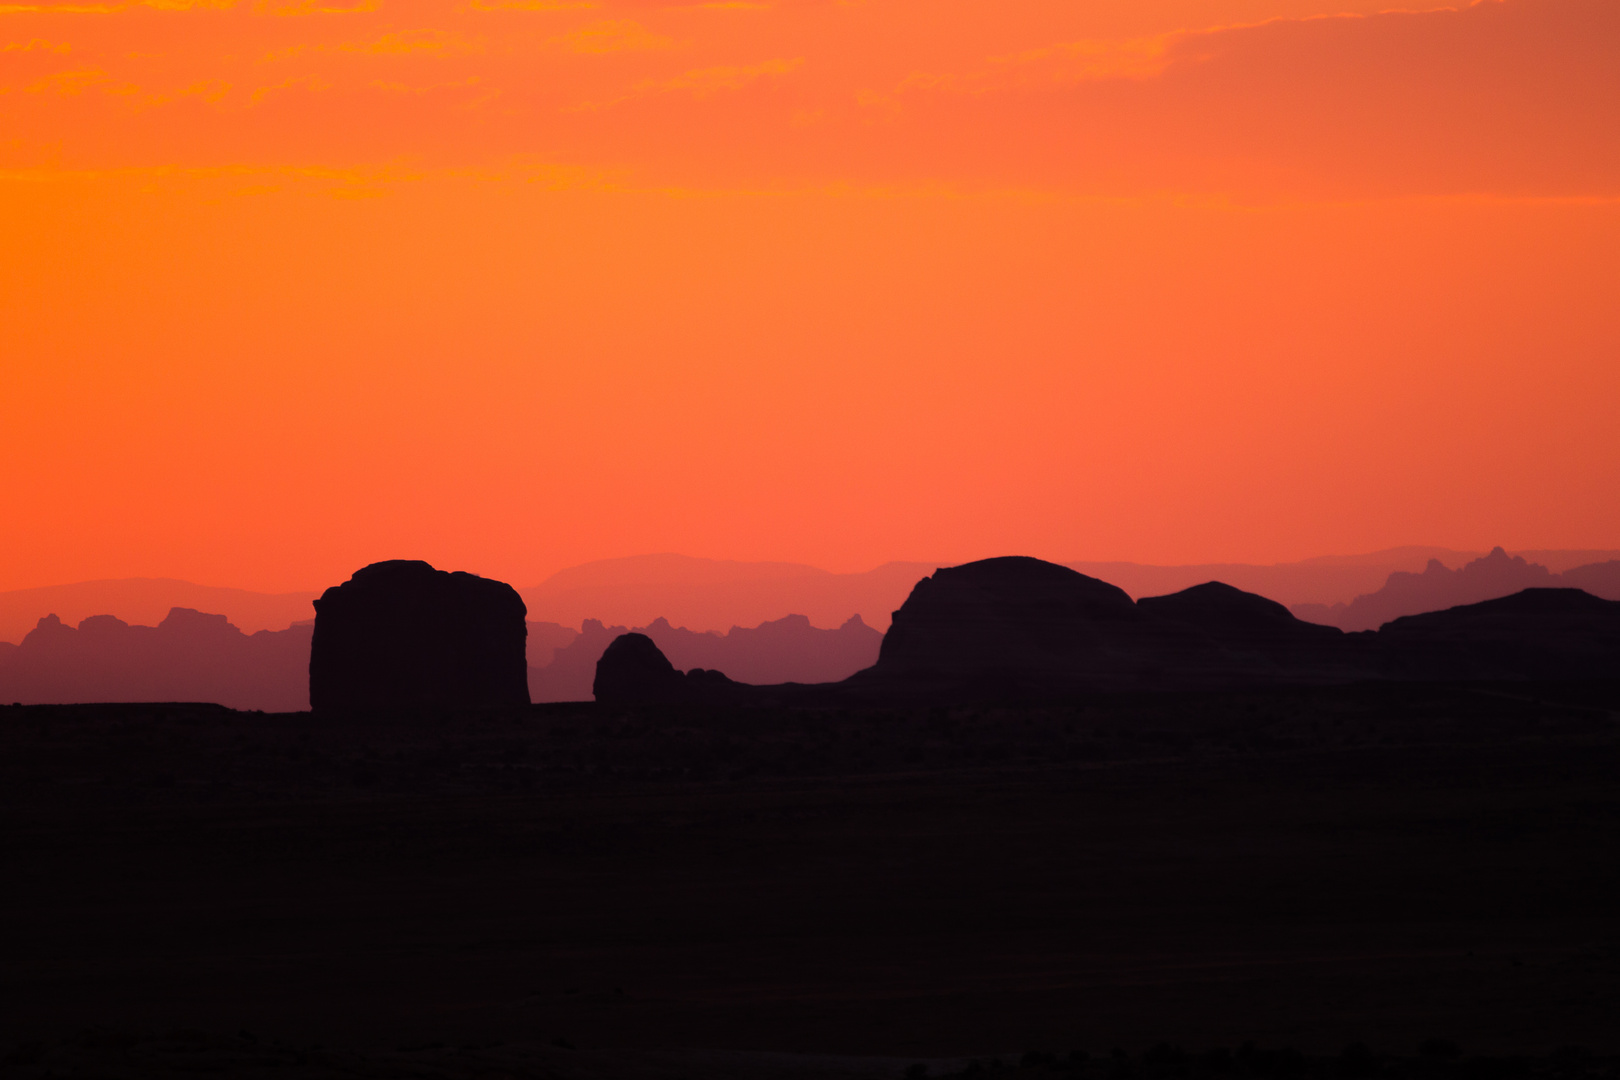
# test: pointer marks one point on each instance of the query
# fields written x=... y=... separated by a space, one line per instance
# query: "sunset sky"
x=291 y=286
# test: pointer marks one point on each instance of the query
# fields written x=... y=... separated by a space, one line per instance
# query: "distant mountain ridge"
x=188 y=656
x=147 y=601
x=716 y=594
x=1439 y=587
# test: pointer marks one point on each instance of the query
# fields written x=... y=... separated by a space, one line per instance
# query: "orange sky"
x=294 y=285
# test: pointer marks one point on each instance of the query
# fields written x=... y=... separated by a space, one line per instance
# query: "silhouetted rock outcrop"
x=1234 y=637
x=1021 y=627
x=633 y=671
x=999 y=624
x=402 y=635
x=1220 y=608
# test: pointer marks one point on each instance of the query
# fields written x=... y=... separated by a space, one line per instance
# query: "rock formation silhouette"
x=1021 y=629
x=632 y=672
x=402 y=635
x=994 y=626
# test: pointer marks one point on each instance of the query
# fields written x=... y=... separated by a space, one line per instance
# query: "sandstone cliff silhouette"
x=1018 y=628
x=1439 y=587
x=400 y=635
x=189 y=656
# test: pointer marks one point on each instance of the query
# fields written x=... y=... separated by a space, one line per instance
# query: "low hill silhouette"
x=1439 y=587
x=1533 y=634
x=1018 y=628
x=780 y=651
x=189 y=656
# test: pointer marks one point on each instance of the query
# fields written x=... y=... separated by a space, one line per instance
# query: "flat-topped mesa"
x=402 y=635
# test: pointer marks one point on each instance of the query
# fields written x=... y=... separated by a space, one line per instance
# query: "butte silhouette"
x=401 y=635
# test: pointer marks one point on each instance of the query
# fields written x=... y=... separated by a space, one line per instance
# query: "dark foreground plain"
x=1107 y=891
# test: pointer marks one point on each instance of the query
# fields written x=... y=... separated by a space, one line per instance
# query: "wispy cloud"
x=212 y=91
x=75 y=8
x=470 y=82
x=1066 y=63
x=294 y=8
x=532 y=5
x=699 y=82
x=1078 y=61
x=614 y=36
x=311 y=83
x=72 y=83
x=36 y=45
x=479 y=92
x=338 y=181
x=403 y=43
x=60 y=9
x=704 y=82
x=81 y=81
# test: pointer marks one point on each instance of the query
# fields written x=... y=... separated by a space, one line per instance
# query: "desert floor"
x=1433 y=872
